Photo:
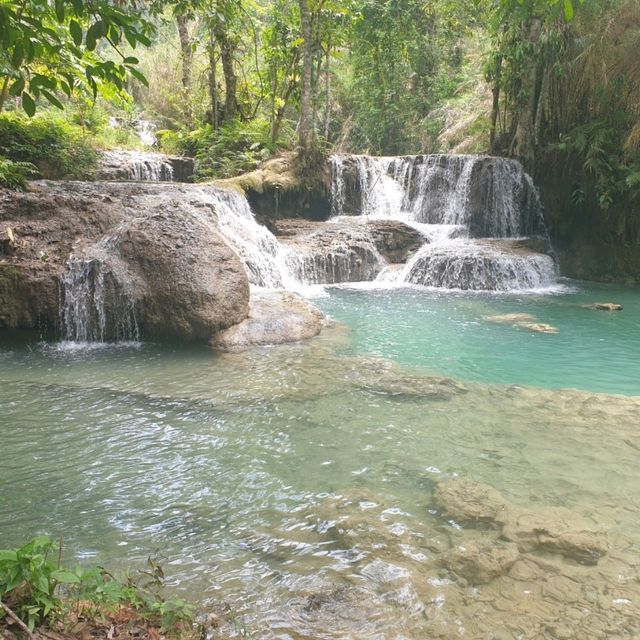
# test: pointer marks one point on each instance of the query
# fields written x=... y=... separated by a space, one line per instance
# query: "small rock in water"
x=471 y=502
x=603 y=306
x=275 y=317
x=538 y=327
x=557 y=530
x=481 y=562
x=523 y=321
x=511 y=318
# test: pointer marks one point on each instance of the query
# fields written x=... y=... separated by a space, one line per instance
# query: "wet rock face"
x=395 y=240
x=497 y=265
x=145 y=166
x=193 y=284
x=28 y=297
x=275 y=317
x=493 y=196
x=346 y=251
x=158 y=244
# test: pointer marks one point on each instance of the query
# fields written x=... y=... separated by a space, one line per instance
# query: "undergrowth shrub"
x=235 y=148
x=13 y=175
x=39 y=591
x=56 y=147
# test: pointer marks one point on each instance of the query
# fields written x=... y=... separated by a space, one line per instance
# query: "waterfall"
x=476 y=266
x=136 y=165
x=454 y=200
x=94 y=304
x=265 y=259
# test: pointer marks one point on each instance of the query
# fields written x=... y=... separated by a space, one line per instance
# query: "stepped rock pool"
x=301 y=486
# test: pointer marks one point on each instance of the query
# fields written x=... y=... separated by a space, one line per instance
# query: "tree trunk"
x=316 y=97
x=495 y=106
x=4 y=92
x=213 y=81
x=327 y=104
x=307 y=68
x=187 y=60
x=230 y=79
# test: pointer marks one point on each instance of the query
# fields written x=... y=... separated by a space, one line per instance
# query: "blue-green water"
x=295 y=483
x=449 y=333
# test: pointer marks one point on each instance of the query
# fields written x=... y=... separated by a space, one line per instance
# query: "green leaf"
x=60 y=11
x=136 y=74
x=18 y=55
x=143 y=39
x=65 y=577
x=8 y=555
x=28 y=104
x=96 y=30
x=16 y=89
x=76 y=32
x=131 y=60
x=41 y=582
x=568 y=10
x=52 y=99
x=131 y=39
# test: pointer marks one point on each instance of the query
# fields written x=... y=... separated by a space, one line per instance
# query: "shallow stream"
x=294 y=485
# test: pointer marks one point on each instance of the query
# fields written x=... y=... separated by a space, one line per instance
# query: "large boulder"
x=275 y=317
x=153 y=248
x=192 y=283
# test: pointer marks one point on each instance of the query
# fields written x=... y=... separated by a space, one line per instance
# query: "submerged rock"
x=537 y=327
x=275 y=317
x=471 y=502
x=603 y=306
x=396 y=383
x=557 y=530
x=480 y=562
x=511 y=318
x=523 y=321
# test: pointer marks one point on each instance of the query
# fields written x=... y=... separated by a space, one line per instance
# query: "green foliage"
x=28 y=579
x=13 y=175
x=235 y=148
x=48 y=49
x=37 y=589
x=59 y=149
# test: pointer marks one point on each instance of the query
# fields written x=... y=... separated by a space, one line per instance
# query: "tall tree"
x=304 y=126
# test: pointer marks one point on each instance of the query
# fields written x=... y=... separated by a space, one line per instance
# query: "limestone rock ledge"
x=275 y=317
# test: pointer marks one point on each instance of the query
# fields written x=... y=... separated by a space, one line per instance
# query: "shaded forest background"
x=554 y=83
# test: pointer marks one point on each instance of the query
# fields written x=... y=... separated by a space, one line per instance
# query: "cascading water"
x=137 y=165
x=94 y=303
x=448 y=198
x=264 y=258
